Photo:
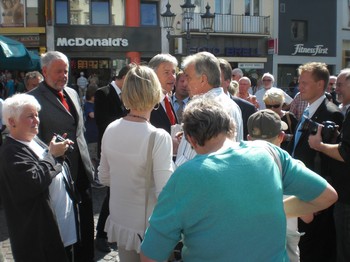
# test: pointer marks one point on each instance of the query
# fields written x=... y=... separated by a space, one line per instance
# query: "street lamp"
x=207 y=22
x=187 y=15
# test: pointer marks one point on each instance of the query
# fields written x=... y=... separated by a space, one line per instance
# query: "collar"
x=313 y=107
x=216 y=91
x=117 y=89
x=174 y=99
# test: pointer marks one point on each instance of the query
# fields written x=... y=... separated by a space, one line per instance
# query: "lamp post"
x=187 y=16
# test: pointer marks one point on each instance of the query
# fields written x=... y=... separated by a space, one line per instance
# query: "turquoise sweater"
x=227 y=206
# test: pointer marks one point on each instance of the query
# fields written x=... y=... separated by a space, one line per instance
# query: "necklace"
x=140 y=117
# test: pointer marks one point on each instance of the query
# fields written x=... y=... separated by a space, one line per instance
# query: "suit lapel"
x=49 y=96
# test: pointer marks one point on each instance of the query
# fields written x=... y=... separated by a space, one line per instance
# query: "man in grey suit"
x=61 y=113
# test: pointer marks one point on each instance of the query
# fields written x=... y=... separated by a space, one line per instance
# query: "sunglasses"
x=272 y=106
x=267 y=80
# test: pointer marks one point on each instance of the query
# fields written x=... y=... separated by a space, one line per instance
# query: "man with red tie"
x=163 y=116
x=164 y=65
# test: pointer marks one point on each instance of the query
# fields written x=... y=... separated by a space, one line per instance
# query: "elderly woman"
x=124 y=160
x=38 y=209
x=274 y=100
x=222 y=203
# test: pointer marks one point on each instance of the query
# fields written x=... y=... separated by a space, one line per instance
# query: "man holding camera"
x=340 y=153
x=318 y=243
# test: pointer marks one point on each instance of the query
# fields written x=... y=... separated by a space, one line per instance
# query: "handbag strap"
x=276 y=158
x=149 y=171
x=289 y=122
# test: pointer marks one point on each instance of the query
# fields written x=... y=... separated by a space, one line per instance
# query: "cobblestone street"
x=98 y=196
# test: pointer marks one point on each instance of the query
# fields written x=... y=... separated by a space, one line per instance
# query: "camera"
x=327 y=133
x=61 y=139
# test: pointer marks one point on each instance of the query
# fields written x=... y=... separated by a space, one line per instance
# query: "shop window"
x=100 y=12
x=298 y=31
x=149 y=14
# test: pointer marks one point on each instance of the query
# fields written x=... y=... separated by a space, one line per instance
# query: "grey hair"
x=160 y=59
x=237 y=71
x=14 y=106
x=205 y=118
x=268 y=75
x=207 y=64
x=346 y=72
x=49 y=57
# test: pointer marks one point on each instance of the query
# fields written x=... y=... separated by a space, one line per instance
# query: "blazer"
x=108 y=107
x=159 y=118
x=247 y=109
x=54 y=118
x=314 y=160
x=24 y=189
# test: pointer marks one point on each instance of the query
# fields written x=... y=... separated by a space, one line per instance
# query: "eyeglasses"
x=272 y=106
x=233 y=75
x=267 y=80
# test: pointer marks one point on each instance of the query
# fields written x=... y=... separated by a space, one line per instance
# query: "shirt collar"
x=117 y=89
x=313 y=107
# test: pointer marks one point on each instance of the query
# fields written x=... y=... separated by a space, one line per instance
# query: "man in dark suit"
x=108 y=107
x=61 y=113
x=318 y=243
x=164 y=65
x=340 y=153
x=247 y=108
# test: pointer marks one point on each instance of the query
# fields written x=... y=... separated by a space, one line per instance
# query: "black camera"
x=61 y=139
x=327 y=133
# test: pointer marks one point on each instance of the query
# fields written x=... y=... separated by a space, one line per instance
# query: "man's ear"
x=281 y=136
x=192 y=141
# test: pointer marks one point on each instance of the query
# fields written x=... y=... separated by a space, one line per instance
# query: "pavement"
x=98 y=196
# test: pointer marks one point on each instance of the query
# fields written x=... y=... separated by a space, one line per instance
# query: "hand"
x=315 y=141
x=58 y=149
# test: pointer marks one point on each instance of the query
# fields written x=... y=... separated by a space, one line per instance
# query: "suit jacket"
x=159 y=118
x=247 y=109
x=54 y=118
x=24 y=189
x=108 y=107
x=314 y=160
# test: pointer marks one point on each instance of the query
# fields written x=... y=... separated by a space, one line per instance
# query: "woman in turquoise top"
x=226 y=204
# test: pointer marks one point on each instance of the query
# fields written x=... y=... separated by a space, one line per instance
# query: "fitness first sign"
x=92 y=42
x=320 y=50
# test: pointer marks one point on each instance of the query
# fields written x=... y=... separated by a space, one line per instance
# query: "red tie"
x=63 y=100
x=169 y=111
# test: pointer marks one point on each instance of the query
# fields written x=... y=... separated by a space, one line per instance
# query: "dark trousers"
x=319 y=242
x=104 y=213
x=84 y=249
x=342 y=227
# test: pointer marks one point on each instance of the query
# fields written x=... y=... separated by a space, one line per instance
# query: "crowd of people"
x=199 y=164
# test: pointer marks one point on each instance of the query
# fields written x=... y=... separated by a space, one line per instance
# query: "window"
x=149 y=14
x=100 y=12
x=61 y=14
x=252 y=7
x=298 y=31
x=11 y=16
x=89 y=12
x=32 y=13
x=223 y=7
